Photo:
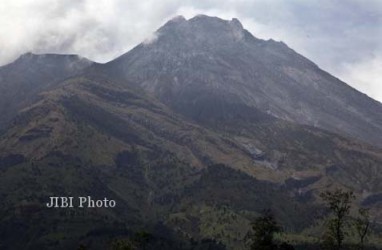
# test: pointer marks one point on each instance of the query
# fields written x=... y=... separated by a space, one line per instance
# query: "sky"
x=342 y=37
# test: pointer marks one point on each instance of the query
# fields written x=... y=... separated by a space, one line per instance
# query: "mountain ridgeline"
x=206 y=67
x=193 y=133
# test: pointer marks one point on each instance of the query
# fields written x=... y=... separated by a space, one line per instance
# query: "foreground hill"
x=92 y=136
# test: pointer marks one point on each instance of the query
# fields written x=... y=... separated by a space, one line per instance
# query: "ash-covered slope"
x=209 y=68
x=22 y=80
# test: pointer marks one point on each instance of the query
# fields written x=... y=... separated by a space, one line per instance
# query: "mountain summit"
x=209 y=62
x=202 y=30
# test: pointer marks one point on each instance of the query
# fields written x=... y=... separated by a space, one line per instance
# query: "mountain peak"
x=236 y=23
x=200 y=31
x=215 y=22
x=28 y=56
x=211 y=19
x=178 y=18
x=50 y=55
x=36 y=60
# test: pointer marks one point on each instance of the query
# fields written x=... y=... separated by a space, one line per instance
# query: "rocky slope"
x=207 y=66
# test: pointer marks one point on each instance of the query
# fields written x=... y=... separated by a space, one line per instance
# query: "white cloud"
x=341 y=37
x=151 y=38
x=365 y=76
x=99 y=31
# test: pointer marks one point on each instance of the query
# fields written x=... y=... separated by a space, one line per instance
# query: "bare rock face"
x=207 y=68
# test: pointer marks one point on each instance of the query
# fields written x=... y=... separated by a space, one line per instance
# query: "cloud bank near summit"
x=342 y=37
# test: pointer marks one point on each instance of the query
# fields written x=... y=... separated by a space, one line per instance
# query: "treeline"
x=146 y=241
x=341 y=232
x=336 y=235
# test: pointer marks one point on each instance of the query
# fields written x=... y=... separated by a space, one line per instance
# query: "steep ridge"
x=209 y=68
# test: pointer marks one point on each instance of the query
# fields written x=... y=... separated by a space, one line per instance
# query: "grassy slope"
x=96 y=137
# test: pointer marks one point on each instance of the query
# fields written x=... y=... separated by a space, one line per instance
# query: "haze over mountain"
x=193 y=132
x=25 y=78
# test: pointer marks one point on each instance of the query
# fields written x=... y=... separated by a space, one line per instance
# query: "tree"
x=122 y=244
x=264 y=229
x=82 y=247
x=339 y=203
x=362 y=225
x=286 y=246
x=142 y=238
